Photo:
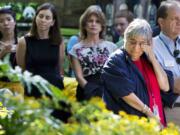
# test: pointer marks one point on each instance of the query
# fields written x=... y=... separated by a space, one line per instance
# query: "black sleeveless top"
x=42 y=58
x=13 y=59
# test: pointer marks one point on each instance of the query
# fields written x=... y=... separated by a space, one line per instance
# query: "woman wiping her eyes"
x=133 y=77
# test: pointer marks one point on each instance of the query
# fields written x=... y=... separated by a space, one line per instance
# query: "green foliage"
x=18 y=8
x=32 y=116
x=69 y=31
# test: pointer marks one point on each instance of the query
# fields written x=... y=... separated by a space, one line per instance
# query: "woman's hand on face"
x=147 y=48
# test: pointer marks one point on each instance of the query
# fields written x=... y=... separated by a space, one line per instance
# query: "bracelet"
x=148 y=110
x=145 y=109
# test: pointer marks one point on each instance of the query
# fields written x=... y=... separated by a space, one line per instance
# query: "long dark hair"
x=54 y=33
x=10 y=12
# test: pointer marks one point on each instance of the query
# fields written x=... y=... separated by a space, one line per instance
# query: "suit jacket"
x=121 y=77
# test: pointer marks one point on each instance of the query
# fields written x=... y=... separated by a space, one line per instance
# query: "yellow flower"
x=3 y=112
x=171 y=129
x=98 y=102
x=69 y=90
x=38 y=124
x=34 y=104
x=13 y=86
x=2 y=132
x=123 y=114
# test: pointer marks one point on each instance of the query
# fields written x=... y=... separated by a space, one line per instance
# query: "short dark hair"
x=54 y=32
x=126 y=14
x=163 y=8
x=92 y=10
x=10 y=12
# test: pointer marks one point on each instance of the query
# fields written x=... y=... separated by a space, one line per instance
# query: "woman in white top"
x=90 y=54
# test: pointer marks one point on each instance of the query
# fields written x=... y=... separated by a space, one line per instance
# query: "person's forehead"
x=45 y=12
x=121 y=18
x=138 y=38
x=5 y=15
x=173 y=10
x=93 y=15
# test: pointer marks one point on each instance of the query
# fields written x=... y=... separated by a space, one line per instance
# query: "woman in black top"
x=8 y=34
x=42 y=50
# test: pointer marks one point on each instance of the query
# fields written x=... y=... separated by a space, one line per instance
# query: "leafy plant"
x=37 y=116
x=18 y=8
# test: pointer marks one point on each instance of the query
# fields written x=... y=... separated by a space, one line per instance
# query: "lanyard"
x=155 y=107
x=166 y=46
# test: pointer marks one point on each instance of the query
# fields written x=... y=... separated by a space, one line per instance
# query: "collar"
x=167 y=40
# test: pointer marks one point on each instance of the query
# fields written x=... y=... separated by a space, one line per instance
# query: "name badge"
x=156 y=111
x=169 y=63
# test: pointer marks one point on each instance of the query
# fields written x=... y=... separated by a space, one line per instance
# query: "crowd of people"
x=140 y=74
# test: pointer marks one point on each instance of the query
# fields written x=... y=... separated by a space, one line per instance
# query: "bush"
x=27 y=116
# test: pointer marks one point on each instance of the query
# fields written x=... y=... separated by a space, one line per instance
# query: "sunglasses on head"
x=176 y=53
